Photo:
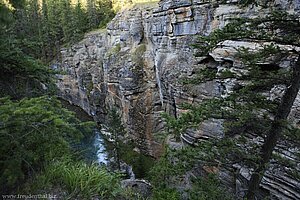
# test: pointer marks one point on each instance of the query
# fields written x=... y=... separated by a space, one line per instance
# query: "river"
x=96 y=148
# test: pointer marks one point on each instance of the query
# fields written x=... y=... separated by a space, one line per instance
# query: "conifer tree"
x=277 y=29
x=44 y=32
x=92 y=14
x=276 y=130
x=117 y=131
x=247 y=109
x=42 y=27
x=66 y=20
x=80 y=21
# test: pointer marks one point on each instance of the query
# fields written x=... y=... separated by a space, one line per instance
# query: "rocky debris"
x=139 y=62
x=139 y=186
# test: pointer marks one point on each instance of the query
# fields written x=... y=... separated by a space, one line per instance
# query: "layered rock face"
x=137 y=65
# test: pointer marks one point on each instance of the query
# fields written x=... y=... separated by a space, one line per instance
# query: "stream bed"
x=96 y=148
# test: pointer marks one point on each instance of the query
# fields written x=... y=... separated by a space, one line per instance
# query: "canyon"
x=138 y=62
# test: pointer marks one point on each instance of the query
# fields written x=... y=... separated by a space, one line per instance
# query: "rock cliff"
x=136 y=64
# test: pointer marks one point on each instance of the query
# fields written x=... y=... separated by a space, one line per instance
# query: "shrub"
x=33 y=132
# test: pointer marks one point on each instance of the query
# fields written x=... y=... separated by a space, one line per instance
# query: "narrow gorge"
x=138 y=64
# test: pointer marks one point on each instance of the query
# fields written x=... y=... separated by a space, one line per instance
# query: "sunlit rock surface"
x=137 y=65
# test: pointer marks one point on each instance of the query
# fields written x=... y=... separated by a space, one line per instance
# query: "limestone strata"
x=137 y=64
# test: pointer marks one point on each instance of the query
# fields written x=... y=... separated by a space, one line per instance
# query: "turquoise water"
x=95 y=147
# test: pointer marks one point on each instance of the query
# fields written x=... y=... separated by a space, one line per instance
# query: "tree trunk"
x=283 y=111
x=118 y=158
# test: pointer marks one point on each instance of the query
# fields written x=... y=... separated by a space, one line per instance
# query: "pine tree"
x=66 y=20
x=276 y=130
x=104 y=12
x=117 y=131
x=20 y=73
x=34 y=27
x=279 y=28
x=247 y=109
x=80 y=21
x=45 y=37
x=42 y=27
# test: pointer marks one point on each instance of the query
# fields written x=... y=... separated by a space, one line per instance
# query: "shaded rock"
x=139 y=62
x=141 y=187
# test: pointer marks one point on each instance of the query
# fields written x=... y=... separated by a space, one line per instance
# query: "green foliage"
x=89 y=88
x=292 y=134
x=17 y=3
x=115 y=50
x=163 y=171
x=14 y=61
x=81 y=180
x=31 y=30
x=226 y=74
x=41 y=28
x=247 y=2
x=242 y=107
x=284 y=161
x=5 y=15
x=105 y=12
x=37 y=135
x=295 y=174
x=279 y=27
x=141 y=164
x=245 y=110
x=166 y=194
x=123 y=150
x=115 y=124
x=20 y=73
x=167 y=173
x=208 y=188
x=212 y=108
x=33 y=132
x=162 y=175
x=201 y=76
x=117 y=131
x=137 y=56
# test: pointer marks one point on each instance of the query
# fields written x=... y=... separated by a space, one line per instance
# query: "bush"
x=206 y=188
x=33 y=132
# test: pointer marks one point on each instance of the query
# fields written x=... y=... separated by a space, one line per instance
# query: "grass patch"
x=80 y=180
x=137 y=56
x=120 y=5
x=145 y=3
x=114 y=50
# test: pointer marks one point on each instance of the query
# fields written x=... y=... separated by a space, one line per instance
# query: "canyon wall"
x=138 y=62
